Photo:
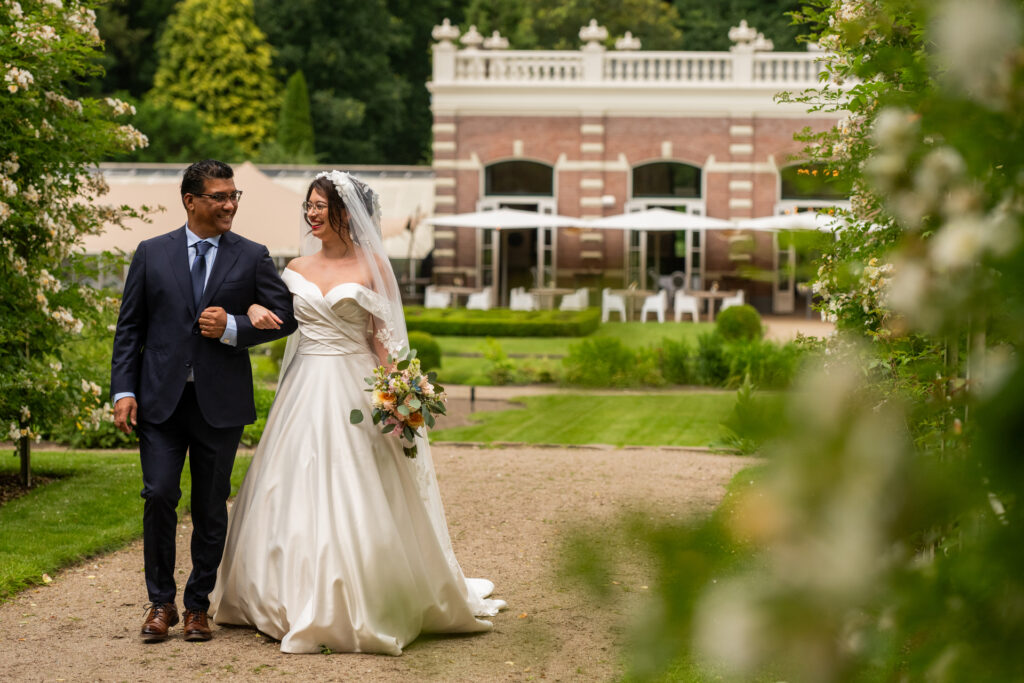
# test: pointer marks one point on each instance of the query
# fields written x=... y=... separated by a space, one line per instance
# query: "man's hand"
x=213 y=321
x=125 y=412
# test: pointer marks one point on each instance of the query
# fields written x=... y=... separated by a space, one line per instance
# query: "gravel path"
x=508 y=509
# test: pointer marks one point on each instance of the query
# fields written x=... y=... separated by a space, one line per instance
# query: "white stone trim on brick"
x=517 y=148
x=470 y=164
x=443 y=253
x=741 y=185
x=591 y=201
x=666 y=149
x=444 y=145
x=741 y=131
x=444 y=200
x=592 y=237
x=592 y=254
x=444 y=234
x=741 y=203
x=604 y=165
x=741 y=148
x=592 y=147
x=591 y=183
x=443 y=128
x=444 y=182
x=592 y=129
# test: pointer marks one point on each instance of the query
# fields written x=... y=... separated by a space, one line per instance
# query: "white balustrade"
x=667 y=67
x=787 y=67
x=526 y=66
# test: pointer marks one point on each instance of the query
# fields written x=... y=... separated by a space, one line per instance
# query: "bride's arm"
x=379 y=349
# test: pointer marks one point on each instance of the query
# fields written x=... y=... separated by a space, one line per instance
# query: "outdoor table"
x=456 y=291
x=632 y=296
x=546 y=295
x=710 y=296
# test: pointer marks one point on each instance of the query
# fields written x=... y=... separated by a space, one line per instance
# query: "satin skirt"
x=329 y=543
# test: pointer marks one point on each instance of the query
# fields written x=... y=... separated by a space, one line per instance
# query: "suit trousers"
x=211 y=455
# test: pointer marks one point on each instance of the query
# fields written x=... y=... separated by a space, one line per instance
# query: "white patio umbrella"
x=804 y=220
x=506 y=218
x=659 y=220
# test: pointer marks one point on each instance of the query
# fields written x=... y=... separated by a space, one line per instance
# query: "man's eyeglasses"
x=318 y=206
x=221 y=197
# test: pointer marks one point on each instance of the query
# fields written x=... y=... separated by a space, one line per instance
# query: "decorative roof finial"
x=445 y=33
x=472 y=40
x=627 y=42
x=495 y=42
x=593 y=35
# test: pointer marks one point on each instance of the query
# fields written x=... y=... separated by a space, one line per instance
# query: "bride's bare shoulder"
x=298 y=264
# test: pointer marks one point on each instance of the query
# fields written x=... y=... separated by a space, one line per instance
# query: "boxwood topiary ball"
x=739 y=323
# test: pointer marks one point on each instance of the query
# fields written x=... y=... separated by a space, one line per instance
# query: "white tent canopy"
x=659 y=220
x=507 y=219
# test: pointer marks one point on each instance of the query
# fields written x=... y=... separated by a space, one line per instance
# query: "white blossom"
x=119 y=107
x=13 y=432
x=976 y=46
x=5 y=212
x=960 y=243
x=14 y=8
x=11 y=165
x=17 y=79
x=25 y=414
x=132 y=137
x=894 y=130
x=8 y=186
x=68 y=103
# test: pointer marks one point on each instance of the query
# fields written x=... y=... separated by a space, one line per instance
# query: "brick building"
x=595 y=132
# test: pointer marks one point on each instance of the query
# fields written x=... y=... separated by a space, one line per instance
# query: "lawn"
x=684 y=419
x=93 y=507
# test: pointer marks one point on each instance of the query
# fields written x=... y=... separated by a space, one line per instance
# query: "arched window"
x=813 y=182
x=666 y=179
x=527 y=178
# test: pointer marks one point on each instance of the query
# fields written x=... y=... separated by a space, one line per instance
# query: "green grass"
x=690 y=419
x=94 y=507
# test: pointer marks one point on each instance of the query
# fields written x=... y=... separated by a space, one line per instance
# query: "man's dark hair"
x=196 y=175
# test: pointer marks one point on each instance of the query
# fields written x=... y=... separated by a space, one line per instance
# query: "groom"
x=180 y=376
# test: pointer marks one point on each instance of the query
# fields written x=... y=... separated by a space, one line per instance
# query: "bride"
x=336 y=538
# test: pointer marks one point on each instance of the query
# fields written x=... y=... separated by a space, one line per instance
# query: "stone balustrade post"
x=444 y=52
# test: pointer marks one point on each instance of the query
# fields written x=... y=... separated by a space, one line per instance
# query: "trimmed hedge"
x=739 y=323
x=500 y=322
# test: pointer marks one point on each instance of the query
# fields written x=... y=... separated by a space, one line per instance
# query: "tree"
x=178 y=135
x=214 y=58
x=342 y=48
x=130 y=29
x=555 y=24
x=294 y=141
x=48 y=204
x=706 y=25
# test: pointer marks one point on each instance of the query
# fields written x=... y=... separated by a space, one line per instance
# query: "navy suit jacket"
x=157 y=341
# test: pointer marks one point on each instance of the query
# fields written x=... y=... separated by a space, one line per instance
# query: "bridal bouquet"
x=403 y=399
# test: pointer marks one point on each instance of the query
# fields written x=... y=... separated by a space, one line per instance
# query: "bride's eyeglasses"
x=318 y=206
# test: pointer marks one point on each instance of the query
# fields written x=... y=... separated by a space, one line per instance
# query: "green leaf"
x=403 y=365
x=408 y=433
x=428 y=419
x=378 y=415
x=403 y=409
x=410 y=451
x=369 y=380
x=388 y=429
x=414 y=404
x=355 y=417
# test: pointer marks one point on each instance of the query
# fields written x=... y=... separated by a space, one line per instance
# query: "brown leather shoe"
x=197 y=626
x=161 y=617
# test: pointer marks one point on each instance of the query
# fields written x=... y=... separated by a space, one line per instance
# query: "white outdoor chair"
x=521 y=300
x=612 y=302
x=480 y=301
x=657 y=304
x=684 y=303
x=435 y=299
x=576 y=301
x=732 y=301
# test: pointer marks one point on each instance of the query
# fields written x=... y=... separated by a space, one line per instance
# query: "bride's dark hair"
x=335 y=204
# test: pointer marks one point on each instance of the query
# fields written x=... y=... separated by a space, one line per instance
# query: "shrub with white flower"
x=50 y=200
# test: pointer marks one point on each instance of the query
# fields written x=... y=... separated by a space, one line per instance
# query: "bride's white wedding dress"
x=331 y=542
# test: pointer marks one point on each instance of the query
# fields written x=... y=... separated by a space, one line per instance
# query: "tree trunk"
x=25 y=450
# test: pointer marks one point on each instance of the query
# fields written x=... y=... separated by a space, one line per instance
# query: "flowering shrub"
x=884 y=539
x=49 y=194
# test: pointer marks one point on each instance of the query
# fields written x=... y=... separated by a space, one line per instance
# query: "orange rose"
x=415 y=419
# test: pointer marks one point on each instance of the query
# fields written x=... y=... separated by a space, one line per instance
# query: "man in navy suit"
x=180 y=376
